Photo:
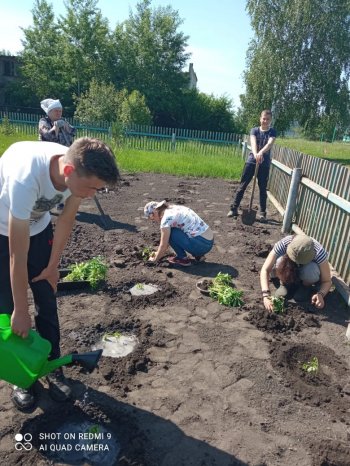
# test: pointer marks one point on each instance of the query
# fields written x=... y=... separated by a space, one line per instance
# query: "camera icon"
x=23 y=442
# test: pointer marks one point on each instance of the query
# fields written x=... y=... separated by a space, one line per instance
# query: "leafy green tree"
x=151 y=56
x=86 y=47
x=41 y=68
x=102 y=102
x=206 y=112
x=99 y=103
x=299 y=62
x=133 y=109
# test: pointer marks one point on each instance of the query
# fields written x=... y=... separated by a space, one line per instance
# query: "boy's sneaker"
x=185 y=262
x=199 y=258
x=233 y=213
x=59 y=390
x=23 y=398
x=262 y=217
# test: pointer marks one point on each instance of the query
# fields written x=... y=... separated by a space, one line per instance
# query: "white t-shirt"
x=178 y=216
x=26 y=189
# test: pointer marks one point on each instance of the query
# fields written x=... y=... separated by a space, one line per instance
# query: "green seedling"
x=140 y=286
x=310 y=366
x=94 y=429
x=221 y=289
x=107 y=336
x=278 y=304
x=222 y=279
x=146 y=253
x=92 y=271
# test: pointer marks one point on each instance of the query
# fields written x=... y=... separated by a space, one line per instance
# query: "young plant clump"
x=311 y=366
x=277 y=304
x=146 y=253
x=221 y=289
x=92 y=271
x=108 y=336
x=140 y=286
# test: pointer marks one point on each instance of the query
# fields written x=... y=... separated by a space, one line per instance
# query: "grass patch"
x=333 y=151
x=202 y=165
x=7 y=140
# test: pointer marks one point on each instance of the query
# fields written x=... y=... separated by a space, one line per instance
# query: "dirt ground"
x=207 y=385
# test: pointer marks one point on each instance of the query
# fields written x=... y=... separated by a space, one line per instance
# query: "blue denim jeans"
x=181 y=243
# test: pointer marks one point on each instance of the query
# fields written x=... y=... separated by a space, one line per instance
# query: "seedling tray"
x=74 y=285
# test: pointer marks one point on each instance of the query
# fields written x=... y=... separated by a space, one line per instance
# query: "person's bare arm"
x=163 y=245
x=265 y=278
x=326 y=282
x=63 y=230
x=19 y=247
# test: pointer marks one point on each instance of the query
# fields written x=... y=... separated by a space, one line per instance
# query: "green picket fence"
x=140 y=137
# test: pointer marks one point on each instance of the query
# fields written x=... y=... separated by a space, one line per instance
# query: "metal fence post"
x=292 y=200
x=173 y=142
x=244 y=148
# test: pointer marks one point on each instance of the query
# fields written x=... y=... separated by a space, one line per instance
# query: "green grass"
x=188 y=161
x=6 y=141
x=216 y=166
x=334 y=151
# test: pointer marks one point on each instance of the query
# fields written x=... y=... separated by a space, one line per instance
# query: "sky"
x=219 y=33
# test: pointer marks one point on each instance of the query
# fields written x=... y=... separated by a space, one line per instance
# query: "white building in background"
x=192 y=77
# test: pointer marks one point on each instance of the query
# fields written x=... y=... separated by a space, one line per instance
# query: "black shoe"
x=59 y=390
x=23 y=398
x=233 y=213
x=262 y=217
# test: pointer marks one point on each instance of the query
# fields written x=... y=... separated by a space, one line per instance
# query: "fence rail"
x=141 y=137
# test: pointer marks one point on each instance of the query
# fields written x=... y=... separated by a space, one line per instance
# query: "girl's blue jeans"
x=181 y=243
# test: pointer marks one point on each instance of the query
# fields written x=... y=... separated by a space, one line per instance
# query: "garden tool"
x=24 y=360
x=106 y=220
x=249 y=215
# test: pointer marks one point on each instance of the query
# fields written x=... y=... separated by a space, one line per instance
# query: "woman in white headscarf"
x=53 y=128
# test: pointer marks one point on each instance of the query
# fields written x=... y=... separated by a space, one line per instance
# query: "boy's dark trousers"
x=247 y=175
x=46 y=319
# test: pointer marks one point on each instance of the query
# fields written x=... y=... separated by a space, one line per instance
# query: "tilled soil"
x=207 y=384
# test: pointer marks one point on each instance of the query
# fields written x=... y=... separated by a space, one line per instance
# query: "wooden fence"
x=141 y=137
x=323 y=202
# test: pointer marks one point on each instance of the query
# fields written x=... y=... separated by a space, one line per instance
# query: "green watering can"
x=24 y=360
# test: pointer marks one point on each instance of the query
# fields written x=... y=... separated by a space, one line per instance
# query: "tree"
x=86 y=46
x=151 y=55
x=102 y=102
x=299 y=62
x=41 y=68
x=133 y=109
x=206 y=112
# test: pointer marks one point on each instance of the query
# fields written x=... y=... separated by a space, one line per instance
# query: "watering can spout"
x=88 y=361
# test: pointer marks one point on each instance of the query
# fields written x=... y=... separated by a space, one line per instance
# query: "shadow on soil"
x=96 y=219
x=144 y=438
x=208 y=269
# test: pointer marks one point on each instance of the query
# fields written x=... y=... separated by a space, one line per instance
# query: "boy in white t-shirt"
x=34 y=177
